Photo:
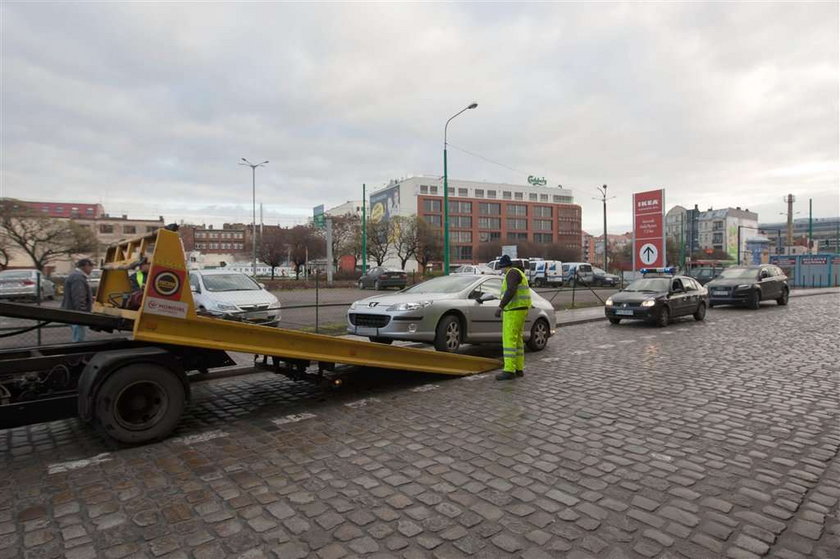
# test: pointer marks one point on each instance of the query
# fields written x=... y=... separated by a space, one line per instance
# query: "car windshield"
x=96 y=273
x=650 y=284
x=739 y=273
x=230 y=282
x=446 y=284
x=16 y=274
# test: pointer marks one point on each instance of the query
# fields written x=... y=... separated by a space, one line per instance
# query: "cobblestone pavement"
x=713 y=439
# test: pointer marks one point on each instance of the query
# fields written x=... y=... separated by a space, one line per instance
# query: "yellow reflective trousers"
x=513 y=348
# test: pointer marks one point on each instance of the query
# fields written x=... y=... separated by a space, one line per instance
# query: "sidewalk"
x=570 y=317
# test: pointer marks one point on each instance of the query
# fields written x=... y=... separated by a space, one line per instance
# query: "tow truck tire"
x=140 y=403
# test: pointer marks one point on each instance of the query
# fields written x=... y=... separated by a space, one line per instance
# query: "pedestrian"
x=138 y=278
x=78 y=295
x=513 y=308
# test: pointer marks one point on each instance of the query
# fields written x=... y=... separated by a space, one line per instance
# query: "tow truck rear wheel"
x=140 y=403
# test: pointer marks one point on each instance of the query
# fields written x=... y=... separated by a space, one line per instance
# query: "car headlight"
x=275 y=305
x=226 y=307
x=648 y=302
x=609 y=302
x=410 y=306
x=742 y=286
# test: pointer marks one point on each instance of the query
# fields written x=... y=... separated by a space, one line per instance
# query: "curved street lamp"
x=253 y=167
x=446 y=193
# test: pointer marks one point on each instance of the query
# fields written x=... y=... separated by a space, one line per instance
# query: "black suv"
x=748 y=286
x=658 y=299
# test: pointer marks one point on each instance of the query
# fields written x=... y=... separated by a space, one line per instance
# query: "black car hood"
x=636 y=296
x=729 y=282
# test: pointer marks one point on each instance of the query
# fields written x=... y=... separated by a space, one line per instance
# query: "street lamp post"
x=446 y=194
x=253 y=167
x=603 y=191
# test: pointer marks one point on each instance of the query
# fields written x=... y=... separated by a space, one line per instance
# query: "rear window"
x=16 y=274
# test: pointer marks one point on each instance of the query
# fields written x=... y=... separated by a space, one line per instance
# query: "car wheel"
x=448 y=334
x=783 y=300
x=663 y=317
x=361 y=285
x=755 y=300
x=376 y=285
x=381 y=340
x=539 y=335
x=700 y=314
x=614 y=320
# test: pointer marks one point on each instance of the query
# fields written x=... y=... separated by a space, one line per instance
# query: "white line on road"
x=550 y=359
x=200 y=437
x=477 y=377
x=76 y=464
x=425 y=388
x=294 y=418
x=604 y=346
x=580 y=352
x=361 y=403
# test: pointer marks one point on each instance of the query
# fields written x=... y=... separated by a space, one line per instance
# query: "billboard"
x=385 y=203
x=648 y=230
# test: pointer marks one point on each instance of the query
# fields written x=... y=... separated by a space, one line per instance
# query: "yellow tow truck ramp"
x=167 y=315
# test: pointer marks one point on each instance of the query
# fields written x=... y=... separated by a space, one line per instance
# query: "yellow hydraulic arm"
x=167 y=315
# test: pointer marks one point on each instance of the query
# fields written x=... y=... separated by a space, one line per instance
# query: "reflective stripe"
x=522 y=298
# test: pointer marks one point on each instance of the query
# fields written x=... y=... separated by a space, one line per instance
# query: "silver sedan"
x=447 y=311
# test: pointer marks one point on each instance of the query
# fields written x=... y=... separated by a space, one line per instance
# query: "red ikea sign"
x=648 y=228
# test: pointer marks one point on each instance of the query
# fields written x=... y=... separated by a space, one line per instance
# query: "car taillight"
x=28 y=282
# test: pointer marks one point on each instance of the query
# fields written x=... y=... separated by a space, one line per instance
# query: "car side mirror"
x=262 y=286
x=194 y=289
x=764 y=275
x=485 y=297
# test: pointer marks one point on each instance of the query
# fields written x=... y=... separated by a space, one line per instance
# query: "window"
x=520 y=224
x=542 y=211
x=433 y=190
x=690 y=285
x=517 y=236
x=463 y=252
x=59 y=209
x=492 y=286
x=457 y=207
x=432 y=205
x=462 y=221
x=491 y=194
x=489 y=223
x=451 y=190
x=479 y=193
x=532 y=196
x=88 y=210
x=424 y=189
x=558 y=199
x=488 y=208
x=106 y=228
x=506 y=195
x=462 y=192
x=543 y=238
x=488 y=236
x=433 y=220
x=542 y=225
x=543 y=197
x=460 y=237
x=517 y=209
x=518 y=196
x=129 y=229
x=151 y=228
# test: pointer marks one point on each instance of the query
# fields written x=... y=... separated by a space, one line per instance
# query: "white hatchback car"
x=233 y=295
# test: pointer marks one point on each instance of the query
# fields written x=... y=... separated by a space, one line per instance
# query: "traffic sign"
x=318 y=216
x=648 y=254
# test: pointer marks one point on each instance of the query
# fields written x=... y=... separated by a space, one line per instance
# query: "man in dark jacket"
x=78 y=295
x=516 y=300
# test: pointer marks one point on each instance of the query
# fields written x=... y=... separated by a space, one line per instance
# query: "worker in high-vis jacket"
x=138 y=279
x=513 y=308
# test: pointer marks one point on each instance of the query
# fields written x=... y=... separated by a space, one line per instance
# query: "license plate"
x=624 y=313
x=718 y=292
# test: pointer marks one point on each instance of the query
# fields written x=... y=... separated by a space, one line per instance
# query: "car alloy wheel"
x=539 y=335
x=448 y=334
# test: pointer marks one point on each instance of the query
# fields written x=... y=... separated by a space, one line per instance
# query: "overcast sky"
x=147 y=107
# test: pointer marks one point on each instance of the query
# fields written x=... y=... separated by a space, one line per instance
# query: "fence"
x=810 y=270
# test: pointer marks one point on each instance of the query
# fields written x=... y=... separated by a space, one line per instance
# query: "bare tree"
x=304 y=243
x=490 y=250
x=379 y=240
x=346 y=229
x=44 y=239
x=429 y=243
x=405 y=239
x=274 y=247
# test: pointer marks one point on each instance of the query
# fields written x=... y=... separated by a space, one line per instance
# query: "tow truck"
x=135 y=388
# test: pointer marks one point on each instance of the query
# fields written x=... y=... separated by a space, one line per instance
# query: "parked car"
x=658 y=299
x=447 y=311
x=380 y=277
x=23 y=284
x=93 y=280
x=523 y=263
x=578 y=273
x=604 y=278
x=545 y=272
x=748 y=286
x=704 y=274
x=480 y=269
x=233 y=295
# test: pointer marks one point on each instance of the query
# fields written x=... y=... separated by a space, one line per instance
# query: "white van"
x=545 y=272
x=578 y=272
x=233 y=295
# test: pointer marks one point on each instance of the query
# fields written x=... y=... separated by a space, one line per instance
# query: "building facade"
x=481 y=212
x=825 y=233
x=711 y=230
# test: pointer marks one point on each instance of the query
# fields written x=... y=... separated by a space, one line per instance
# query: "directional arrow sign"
x=648 y=254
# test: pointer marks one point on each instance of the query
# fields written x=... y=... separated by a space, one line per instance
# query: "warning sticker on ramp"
x=163 y=307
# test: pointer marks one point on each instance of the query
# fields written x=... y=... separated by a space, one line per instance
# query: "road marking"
x=361 y=403
x=627 y=341
x=425 y=388
x=200 y=437
x=580 y=352
x=476 y=377
x=76 y=464
x=293 y=418
x=605 y=346
x=662 y=457
x=550 y=359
